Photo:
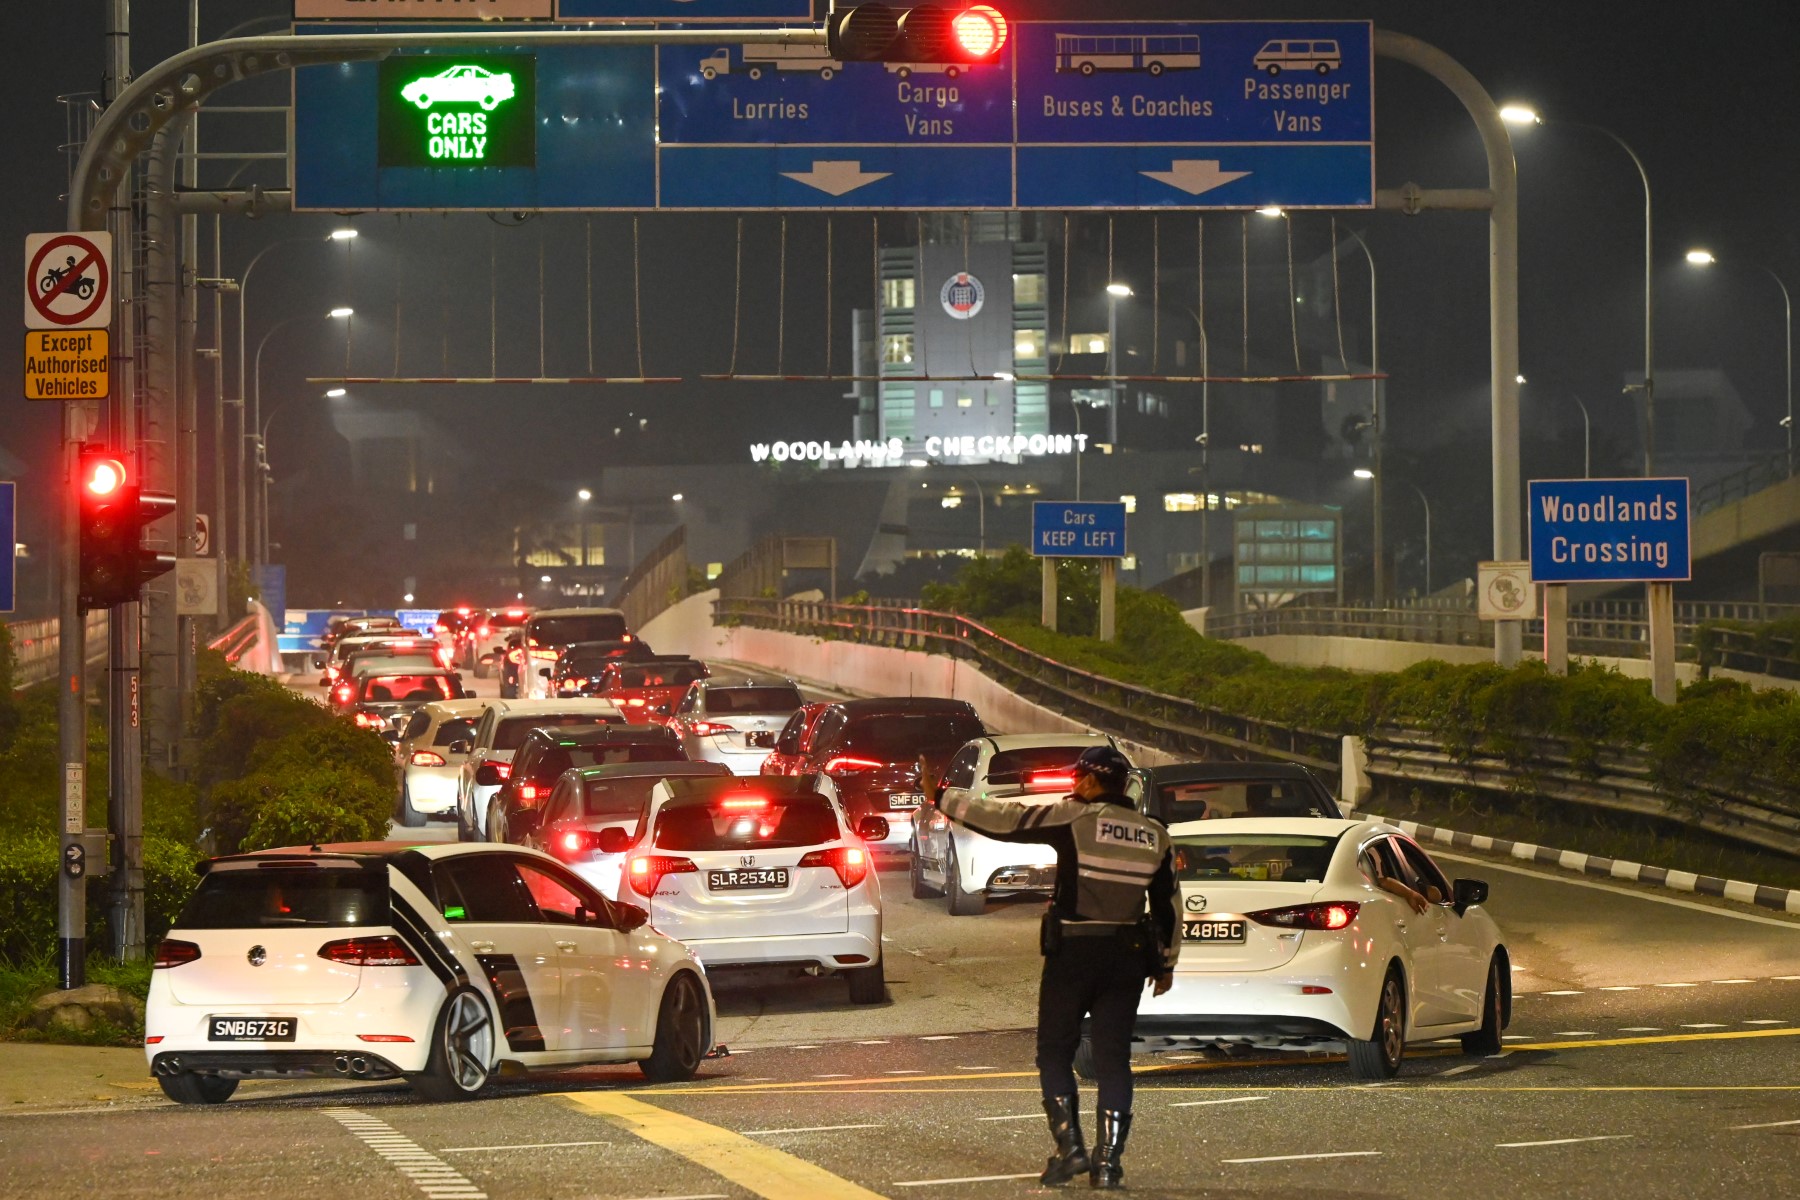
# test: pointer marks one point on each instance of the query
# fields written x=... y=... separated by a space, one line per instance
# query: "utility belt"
x=1053 y=929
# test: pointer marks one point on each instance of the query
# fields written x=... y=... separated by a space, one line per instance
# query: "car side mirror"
x=318 y=660
x=460 y=746
x=631 y=917
x=487 y=775
x=391 y=736
x=614 y=840
x=543 y=672
x=872 y=828
x=1467 y=893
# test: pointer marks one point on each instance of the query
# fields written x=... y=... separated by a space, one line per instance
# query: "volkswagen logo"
x=1195 y=903
x=257 y=956
x=747 y=860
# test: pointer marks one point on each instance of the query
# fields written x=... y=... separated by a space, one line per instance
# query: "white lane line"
x=1462 y=1070
x=963 y=1179
x=907 y=1071
x=530 y=1146
x=950 y=1037
x=837 y=1075
x=1734 y=981
x=695 y=1196
x=1298 y=1157
x=1767 y=1125
x=1676 y=985
x=1640 y=1029
x=874 y=1042
x=1704 y=1025
x=1502 y=1054
x=1785 y=978
x=978 y=1068
x=1621 y=891
x=1231 y=1100
x=1565 y=993
x=1620 y=987
x=431 y=1174
x=1605 y=1137
x=808 y=1129
x=1514 y=1037
x=1575 y=1033
x=1766 y=1021
x=802 y=1047
x=1024 y=1117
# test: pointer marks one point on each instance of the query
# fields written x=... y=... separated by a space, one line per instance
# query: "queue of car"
x=682 y=824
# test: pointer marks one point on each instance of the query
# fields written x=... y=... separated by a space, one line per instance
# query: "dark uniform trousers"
x=1099 y=976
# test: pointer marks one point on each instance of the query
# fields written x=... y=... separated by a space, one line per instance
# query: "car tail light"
x=1313 y=989
x=1049 y=780
x=575 y=683
x=502 y=769
x=635 y=702
x=172 y=954
x=515 y=612
x=483 y=631
x=462 y=610
x=626 y=638
x=332 y=672
x=443 y=657
x=712 y=728
x=152 y=1039
x=427 y=758
x=369 y=721
x=1308 y=916
x=440 y=629
x=528 y=791
x=382 y=1037
x=572 y=844
x=850 y=862
x=344 y=693
x=369 y=952
x=849 y=762
x=647 y=871
x=744 y=804
x=546 y=655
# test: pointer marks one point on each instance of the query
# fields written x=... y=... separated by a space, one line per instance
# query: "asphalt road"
x=1654 y=1051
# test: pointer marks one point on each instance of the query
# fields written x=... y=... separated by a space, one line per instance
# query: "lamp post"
x=1705 y=258
x=262 y=519
x=1115 y=292
x=1587 y=438
x=1378 y=426
x=1519 y=114
x=1423 y=499
x=981 y=516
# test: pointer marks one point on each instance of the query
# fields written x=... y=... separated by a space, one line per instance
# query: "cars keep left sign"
x=68 y=280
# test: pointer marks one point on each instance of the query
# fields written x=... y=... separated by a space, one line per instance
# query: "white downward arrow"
x=838 y=178
x=1195 y=175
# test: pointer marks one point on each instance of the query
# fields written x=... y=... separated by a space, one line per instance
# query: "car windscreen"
x=752 y=700
x=585 y=627
x=1009 y=768
x=605 y=754
x=658 y=675
x=734 y=823
x=1252 y=857
x=511 y=733
x=407 y=689
x=278 y=897
x=902 y=737
x=626 y=799
x=1212 y=799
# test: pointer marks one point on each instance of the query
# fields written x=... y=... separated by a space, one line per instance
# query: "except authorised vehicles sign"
x=1609 y=530
x=68 y=280
x=66 y=364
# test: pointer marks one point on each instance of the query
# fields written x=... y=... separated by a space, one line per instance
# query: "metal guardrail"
x=657 y=581
x=36 y=644
x=1621 y=779
x=1739 y=485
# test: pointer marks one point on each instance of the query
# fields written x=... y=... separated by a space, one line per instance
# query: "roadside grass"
x=1596 y=831
x=21 y=983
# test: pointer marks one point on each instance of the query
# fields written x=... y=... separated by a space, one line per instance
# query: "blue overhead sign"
x=1609 y=531
x=1077 y=529
x=1195 y=114
x=9 y=529
x=685 y=10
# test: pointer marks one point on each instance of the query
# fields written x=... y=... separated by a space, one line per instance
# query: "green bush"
x=329 y=803
x=28 y=900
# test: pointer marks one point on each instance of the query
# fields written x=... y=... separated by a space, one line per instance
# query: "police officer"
x=1097 y=951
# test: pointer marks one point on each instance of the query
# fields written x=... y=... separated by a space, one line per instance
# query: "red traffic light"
x=980 y=31
x=102 y=477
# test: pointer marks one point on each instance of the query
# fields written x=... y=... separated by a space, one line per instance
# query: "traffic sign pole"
x=1556 y=628
x=1109 y=599
x=1661 y=615
x=1049 y=608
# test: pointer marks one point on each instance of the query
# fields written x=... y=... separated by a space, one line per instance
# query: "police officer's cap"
x=1105 y=764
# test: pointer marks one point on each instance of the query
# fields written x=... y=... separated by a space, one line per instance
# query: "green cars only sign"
x=467 y=110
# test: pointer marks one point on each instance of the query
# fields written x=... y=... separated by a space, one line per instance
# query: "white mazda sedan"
x=1307 y=933
x=438 y=964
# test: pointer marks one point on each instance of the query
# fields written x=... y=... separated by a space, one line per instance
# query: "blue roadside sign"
x=9 y=529
x=1078 y=529
x=1609 y=531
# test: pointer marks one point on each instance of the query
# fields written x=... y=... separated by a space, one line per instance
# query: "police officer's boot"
x=1071 y=1157
x=1107 y=1170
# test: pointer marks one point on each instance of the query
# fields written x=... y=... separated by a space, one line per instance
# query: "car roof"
x=577 y=612
x=594 y=735
x=888 y=705
x=1307 y=826
x=367 y=852
x=693 y=791
x=718 y=682
x=576 y=704
x=449 y=710
x=1206 y=772
x=408 y=669
x=671 y=770
x=1034 y=741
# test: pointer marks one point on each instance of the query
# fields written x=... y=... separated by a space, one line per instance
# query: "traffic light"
x=114 y=511
x=925 y=34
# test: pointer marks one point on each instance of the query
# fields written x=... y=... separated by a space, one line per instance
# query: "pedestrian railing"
x=657 y=581
x=36 y=646
x=1741 y=484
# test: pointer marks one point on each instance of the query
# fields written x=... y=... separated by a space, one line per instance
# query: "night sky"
x=1707 y=94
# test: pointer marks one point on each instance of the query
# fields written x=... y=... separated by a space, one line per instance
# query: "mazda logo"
x=1195 y=903
x=257 y=956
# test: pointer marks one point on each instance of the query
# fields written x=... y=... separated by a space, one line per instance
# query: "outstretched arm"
x=1010 y=820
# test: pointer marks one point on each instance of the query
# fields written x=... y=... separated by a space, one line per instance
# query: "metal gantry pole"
x=1380 y=426
x=1787 y=327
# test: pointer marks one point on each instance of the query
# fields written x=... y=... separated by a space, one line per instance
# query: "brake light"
x=712 y=728
x=502 y=769
x=547 y=655
x=173 y=954
x=573 y=844
x=626 y=638
x=427 y=758
x=647 y=871
x=345 y=692
x=850 y=862
x=369 y=952
x=848 y=762
x=528 y=791
x=332 y=672
x=744 y=804
x=1050 y=780
x=443 y=657
x=515 y=612
x=575 y=683
x=1308 y=916
x=635 y=702
x=369 y=721
x=483 y=631
x=440 y=629
x=462 y=611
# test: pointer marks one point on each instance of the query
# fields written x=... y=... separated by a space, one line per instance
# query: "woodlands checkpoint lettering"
x=1592 y=545
x=892 y=452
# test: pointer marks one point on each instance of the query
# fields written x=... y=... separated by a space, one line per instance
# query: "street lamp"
x=1704 y=258
x=260 y=551
x=1519 y=114
x=676 y=497
x=1423 y=499
x=584 y=495
x=1115 y=292
x=342 y=235
x=335 y=393
x=981 y=516
x=1587 y=438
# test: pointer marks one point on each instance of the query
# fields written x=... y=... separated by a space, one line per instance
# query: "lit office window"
x=1028 y=343
x=898 y=293
x=1028 y=289
x=897 y=348
x=1087 y=343
x=1130 y=503
x=937 y=397
x=965 y=402
x=1181 y=502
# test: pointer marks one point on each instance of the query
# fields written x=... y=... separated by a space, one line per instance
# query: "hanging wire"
x=737 y=296
x=968 y=326
x=875 y=277
x=637 y=299
x=828 y=294
x=399 y=293
x=1337 y=296
x=541 y=371
x=1244 y=257
x=350 y=282
x=781 y=304
x=1156 y=294
x=493 y=305
x=1063 y=337
x=1293 y=301
x=588 y=224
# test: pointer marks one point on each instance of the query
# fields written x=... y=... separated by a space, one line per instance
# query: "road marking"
x=989 y=1068
x=907 y=1071
x=763 y=1170
x=530 y=1146
x=1767 y=1125
x=1703 y=1025
x=1514 y=1037
x=808 y=1129
x=1785 y=978
x=1675 y=985
x=964 y=1179
x=1229 y=1100
x=1605 y=1137
x=1619 y=891
x=838 y=1076
x=1641 y=1029
x=939 y=1037
x=431 y=1174
x=1620 y=987
x=1297 y=1157
x=1462 y=1070
x=1021 y=1117
x=1665 y=1038
x=1580 y=1032
x=1734 y=981
x=1765 y=1021
x=874 y=1042
x=1562 y=993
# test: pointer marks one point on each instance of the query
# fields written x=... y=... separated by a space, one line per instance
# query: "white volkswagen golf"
x=438 y=964
x=1307 y=933
x=759 y=871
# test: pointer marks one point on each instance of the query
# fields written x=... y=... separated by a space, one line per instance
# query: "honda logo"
x=747 y=860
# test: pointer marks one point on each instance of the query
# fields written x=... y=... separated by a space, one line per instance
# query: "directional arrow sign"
x=838 y=178
x=1195 y=175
